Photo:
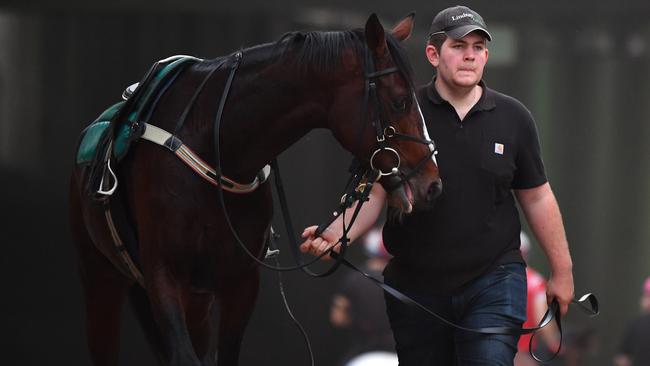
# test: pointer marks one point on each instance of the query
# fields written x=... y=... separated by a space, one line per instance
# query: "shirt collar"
x=485 y=103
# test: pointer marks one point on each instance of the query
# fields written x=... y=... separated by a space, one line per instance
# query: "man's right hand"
x=317 y=245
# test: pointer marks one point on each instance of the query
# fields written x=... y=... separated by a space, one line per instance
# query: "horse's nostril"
x=434 y=190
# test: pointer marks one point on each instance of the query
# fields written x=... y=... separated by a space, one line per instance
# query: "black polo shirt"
x=474 y=224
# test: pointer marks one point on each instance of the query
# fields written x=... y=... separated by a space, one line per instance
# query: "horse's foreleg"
x=142 y=309
x=237 y=305
x=201 y=326
x=169 y=302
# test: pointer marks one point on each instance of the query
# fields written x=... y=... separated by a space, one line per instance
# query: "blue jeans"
x=496 y=299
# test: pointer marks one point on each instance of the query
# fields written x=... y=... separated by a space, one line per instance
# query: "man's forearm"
x=543 y=215
x=367 y=217
x=544 y=218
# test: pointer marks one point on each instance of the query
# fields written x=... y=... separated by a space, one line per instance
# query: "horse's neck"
x=271 y=114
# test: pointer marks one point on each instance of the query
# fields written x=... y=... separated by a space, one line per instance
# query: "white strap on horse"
x=161 y=137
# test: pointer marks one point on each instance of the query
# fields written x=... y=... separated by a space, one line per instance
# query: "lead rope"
x=274 y=246
x=217 y=124
x=553 y=312
x=351 y=195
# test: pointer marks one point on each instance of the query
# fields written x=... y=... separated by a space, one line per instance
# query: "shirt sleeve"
x=529 y=172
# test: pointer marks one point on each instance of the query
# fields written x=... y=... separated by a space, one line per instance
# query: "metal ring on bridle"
x=394 y=170
x=389 y=131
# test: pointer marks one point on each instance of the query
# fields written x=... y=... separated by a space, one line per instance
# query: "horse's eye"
x=400 y=104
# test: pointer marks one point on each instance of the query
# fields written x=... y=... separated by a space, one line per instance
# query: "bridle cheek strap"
x=383 y=130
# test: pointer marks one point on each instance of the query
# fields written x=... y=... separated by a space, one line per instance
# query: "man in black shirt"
x=462 y=258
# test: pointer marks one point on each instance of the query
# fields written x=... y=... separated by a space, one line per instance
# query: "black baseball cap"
x=457 y=22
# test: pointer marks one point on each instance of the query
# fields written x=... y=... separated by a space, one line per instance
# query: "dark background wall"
x=582 y=68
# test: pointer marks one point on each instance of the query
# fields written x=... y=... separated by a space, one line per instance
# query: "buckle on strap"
x=376 y=74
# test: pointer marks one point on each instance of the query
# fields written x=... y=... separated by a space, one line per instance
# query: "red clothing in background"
x=536 y=287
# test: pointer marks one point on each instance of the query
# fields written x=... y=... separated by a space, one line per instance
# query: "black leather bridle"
x=395 y=176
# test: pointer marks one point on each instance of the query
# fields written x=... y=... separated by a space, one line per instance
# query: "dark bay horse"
x=189 y=257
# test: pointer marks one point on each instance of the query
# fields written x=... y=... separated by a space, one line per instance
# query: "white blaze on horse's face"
x=424 y=130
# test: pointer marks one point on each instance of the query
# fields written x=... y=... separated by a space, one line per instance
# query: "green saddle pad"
x=93 y=133
x=149 y=89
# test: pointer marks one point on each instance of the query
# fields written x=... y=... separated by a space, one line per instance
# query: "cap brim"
x=462 y=31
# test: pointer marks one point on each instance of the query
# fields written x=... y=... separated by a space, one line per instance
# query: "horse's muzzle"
x=407 y=197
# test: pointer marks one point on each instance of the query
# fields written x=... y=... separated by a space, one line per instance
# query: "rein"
x=552 y=313
x=382 y=133
x=217 y=134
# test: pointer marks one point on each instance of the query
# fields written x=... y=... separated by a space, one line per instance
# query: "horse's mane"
x=318 y=51
x=322 y=52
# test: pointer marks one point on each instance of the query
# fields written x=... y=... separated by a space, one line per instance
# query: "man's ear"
x=402 y=31
x=432 y=55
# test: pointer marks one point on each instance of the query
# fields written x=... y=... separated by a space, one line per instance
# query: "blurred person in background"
x=547 y=339
x=635 y=346
x=358 y=308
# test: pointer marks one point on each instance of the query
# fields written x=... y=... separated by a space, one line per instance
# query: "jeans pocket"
x=517 y=270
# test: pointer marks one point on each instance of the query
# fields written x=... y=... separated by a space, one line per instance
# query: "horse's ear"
x=402 y=31
x=375 y=37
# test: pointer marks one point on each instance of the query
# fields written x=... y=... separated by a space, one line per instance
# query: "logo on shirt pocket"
x=498 y=157
x=498 y=148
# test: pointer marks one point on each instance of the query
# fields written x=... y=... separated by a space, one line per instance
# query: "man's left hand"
x=560 y=287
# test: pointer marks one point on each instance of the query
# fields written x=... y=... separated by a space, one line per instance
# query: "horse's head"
x=390 y=135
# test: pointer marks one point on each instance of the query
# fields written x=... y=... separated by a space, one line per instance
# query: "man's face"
x=460 y=62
